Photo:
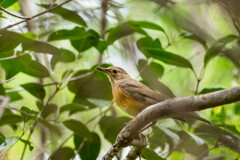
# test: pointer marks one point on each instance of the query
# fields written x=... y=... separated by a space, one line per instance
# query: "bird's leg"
x=149 y=125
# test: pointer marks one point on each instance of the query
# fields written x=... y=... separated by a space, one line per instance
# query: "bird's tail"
x=187 y=115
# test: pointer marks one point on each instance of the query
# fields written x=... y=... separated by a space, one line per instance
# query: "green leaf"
x=14 y=66
x=81 y=44
x=188 y=141
x=49 y=109
x=224 y=137
x=28 y=44
x=7 y=44
x=150 y=73
x=219 y=115
x=168 y=137
x=73 y=34
x=218 y=47
x=40 y=47
x=35 y=89
x=51 y=127
x=8 y=143
x=81 y=39
x=36 y=69
x=65 y=56
x=148 y=25
x=66 y=14
x=196 y=38
x=2 y=138
x=27 y=143
x=10 y=119
x=209 y=90
x=237 y=108
x=4 y=54
x=101 y=46
x=7 y=3
x=78 y=128
x=2 y=90
x=150 y=154
x=64 y=153
x=90 y=149
x=14 y=96
x=160 y=54
x=100 y=89
x=111 y=126
x=24 y=64
x=73 y=108
x=28 y=114
x=123 y=30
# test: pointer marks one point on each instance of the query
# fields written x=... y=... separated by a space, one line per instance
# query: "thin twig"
x=12 y=57
x=65 y=141
x=37 y=119
x=14 y=15
x=87 y=122
x=80 y=147
x=85 y=139
x=20 y=111
x=8 y=80
x=36 y=15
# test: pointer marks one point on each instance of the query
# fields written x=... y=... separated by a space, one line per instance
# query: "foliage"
x=60 y=102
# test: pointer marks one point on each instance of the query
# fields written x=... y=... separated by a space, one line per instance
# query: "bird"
x=133 y=96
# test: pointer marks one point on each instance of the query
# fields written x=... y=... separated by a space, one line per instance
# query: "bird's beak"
x=105 y=70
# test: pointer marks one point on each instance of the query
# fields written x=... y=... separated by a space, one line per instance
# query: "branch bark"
x=167 y=108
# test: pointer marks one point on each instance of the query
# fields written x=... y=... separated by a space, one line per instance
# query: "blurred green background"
x=61 y=107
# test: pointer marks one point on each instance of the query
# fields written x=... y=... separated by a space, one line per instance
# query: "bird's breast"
x=127 y=104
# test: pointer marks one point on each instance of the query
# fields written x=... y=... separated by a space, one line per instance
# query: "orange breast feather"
x=127 y=104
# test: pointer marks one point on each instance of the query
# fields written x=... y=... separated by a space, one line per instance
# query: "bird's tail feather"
x=187 y=115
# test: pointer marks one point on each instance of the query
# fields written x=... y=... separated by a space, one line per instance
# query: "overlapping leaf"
x=7 y=3
x=150 y=74
x=208 y=90
x=218 y=47
x=80 y=38
x=78 y=128
x=111 y=126
x=35 y=89
x=27 y=44
x=152 y=48
x=72 y=108
x=64 y=153
x=226 y=138
x=131 y=27
x=67 y=14
x=90 y=149
x=150 y=154
x=28 y=114
x=24 y=64
x=65 y=56
x=92 y=90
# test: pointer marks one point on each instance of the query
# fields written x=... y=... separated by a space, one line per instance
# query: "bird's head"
x=115 y=73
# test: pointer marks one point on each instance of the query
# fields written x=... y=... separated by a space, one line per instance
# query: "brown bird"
x=133 y=96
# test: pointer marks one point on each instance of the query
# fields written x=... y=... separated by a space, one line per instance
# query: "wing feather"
x=140 y=92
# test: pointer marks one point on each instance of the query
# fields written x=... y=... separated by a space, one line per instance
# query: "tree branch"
x=168 y=108
x=36 y=15
x=14 y=15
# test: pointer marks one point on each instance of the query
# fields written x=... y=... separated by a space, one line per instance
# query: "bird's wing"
x=140 y=92
x=146 y=96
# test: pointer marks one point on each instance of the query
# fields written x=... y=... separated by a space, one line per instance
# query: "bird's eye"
x=114 y=71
